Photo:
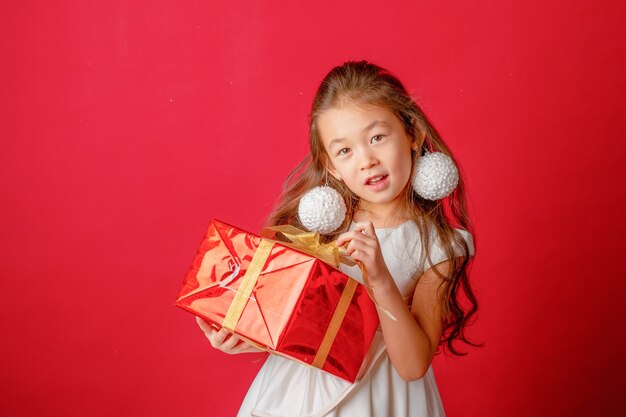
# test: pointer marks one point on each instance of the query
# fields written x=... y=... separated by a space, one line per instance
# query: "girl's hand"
x=224 y=340
x=363 y=247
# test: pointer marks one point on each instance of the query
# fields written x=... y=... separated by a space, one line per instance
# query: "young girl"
x=369 y=135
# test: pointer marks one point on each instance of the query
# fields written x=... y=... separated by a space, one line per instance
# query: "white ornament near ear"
x=322 y=209
x=435 y=176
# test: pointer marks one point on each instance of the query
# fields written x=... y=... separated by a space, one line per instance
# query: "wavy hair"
x=364 y=83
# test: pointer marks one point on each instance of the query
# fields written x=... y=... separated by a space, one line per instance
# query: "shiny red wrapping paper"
x=291 y=305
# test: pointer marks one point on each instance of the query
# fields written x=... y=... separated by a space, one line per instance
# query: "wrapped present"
x=281 y=298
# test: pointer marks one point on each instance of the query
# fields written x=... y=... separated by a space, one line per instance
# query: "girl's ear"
x=416 y=143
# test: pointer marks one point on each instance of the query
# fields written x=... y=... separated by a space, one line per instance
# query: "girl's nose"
x=368 y=159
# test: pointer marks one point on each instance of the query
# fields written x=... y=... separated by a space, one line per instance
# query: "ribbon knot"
x=309 y=242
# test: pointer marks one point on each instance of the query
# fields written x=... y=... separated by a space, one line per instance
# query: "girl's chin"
x=378 y=199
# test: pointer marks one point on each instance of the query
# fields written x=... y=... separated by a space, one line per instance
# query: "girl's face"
x=369 y=150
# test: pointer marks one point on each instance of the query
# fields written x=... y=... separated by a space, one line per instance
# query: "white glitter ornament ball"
x=322 y=209
x=435 y=176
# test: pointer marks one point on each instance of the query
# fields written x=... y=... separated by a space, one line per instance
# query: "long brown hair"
x=368 y=84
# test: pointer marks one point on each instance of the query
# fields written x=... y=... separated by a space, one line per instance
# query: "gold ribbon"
x=335 y=323
x=309 y=242
x=247 y=284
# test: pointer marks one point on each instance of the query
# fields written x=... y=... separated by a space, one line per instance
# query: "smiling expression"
x=369 y=150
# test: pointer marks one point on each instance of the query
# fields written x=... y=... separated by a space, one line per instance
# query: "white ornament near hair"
x=322 y=209
x=435 y=176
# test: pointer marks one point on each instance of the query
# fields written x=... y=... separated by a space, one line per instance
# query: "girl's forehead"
x=350 y=119
x=357 y=109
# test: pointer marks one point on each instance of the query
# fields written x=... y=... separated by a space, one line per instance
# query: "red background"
x=126 y=126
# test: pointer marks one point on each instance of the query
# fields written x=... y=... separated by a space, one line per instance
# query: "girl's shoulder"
x=406 y=238
x=437 y=252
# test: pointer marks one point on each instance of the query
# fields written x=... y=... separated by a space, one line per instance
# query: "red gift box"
x=282 y=298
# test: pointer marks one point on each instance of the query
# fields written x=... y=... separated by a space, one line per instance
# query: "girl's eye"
x=341 y=151
x=373 y=140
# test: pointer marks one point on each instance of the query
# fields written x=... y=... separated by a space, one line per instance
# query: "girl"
x=369 y=134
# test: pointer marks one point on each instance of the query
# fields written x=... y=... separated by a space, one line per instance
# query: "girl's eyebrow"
x=368 y=127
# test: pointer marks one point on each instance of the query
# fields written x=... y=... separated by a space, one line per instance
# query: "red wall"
x=126 y=126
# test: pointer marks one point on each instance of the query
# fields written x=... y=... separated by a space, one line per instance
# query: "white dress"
x=286 y=388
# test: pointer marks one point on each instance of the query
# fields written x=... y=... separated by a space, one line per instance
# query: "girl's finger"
x=362 y=247
x=241 y=347
x=215 y=338
x=230 y=343
x=224 y=341
x=211 y=336
x=204 y=325
x=359 y=255
x=348 y=236
x=352 y=235
x=366 y=228
x=224 y=334
x=343 y=238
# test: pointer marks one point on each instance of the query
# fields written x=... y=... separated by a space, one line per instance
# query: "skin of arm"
x=412 y=340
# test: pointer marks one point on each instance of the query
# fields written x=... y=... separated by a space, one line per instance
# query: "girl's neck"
x=389 y=215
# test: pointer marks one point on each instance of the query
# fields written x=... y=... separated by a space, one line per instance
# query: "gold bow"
x=309 y=242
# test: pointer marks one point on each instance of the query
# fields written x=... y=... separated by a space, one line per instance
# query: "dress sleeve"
x=437 y=254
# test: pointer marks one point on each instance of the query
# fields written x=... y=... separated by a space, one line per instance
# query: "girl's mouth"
x=378 y=183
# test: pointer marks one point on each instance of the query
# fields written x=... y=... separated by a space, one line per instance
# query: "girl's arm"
x=412 y=340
